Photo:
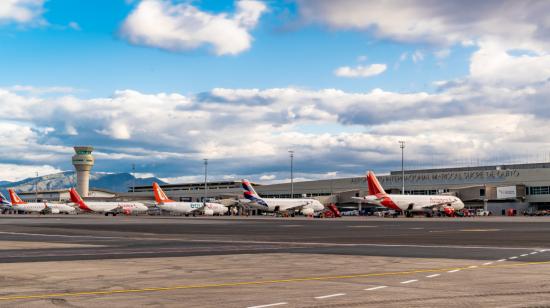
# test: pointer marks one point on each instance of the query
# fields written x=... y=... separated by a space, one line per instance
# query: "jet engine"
x=308 y=211
x=208 y=212
x=449 y=211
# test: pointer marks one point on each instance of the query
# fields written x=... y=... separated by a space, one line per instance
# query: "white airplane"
x=305 y=206
x=40 y=207
x=107 y=208
x=409 y=203
x=207 y=208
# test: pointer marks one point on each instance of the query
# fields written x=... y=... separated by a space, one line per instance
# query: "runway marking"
x=524 y=255
x=479 y=230
x=534 y=252
x=453 y=271
x=362 y=226
x=472 y=266
x=376 y=288
x=250 y=283
x=501 y=260
x=512 y=258
x=409 y=281
x=329 y=296
x=287 y=243
x=488 y=263
x=269 y=305
x=432 y=276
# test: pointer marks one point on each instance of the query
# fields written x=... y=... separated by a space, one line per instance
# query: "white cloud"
x=74 y=25
x=442 y=53
x=20 y=11
x=268 y=177
x=520 y=24
x=181 y=27
x=360 y=70
x=16 y=172
x=417 y=56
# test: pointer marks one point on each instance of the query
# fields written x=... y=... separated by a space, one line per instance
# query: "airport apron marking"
x=249 y=283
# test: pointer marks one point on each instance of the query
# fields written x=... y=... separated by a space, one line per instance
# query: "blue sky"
x=165 y=83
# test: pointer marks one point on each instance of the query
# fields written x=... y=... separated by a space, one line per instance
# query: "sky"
x=164 y=84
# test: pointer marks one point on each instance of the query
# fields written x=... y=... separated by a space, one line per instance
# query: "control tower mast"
x=83 y=161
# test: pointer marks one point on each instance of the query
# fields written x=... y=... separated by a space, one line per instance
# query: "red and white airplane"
x=107 y=208
x=410 y=203
x=39 y=207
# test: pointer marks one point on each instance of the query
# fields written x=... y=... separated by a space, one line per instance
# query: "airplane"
x=207 y=208
x=112 y=208
x=409 y=204
x=5 y=205
x=39 y=207
x=305 y=206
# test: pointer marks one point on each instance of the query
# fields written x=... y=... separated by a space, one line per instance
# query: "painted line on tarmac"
x=433 y=276
x=279 y=243
x=250 y=283
x=488 y=263
x=376 y=288
x=453 y=271
x=329 y=296
x=269 y=305
x=409 y=281
x=501 y=260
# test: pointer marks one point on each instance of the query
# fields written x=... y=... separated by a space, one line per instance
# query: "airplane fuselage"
x=190 y=207
x=415 y=203
x=110 y=207
x=283 y=204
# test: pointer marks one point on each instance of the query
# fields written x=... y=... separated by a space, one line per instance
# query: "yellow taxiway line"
x=259 y=282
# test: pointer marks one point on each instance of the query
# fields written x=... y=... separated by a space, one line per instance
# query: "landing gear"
x=408 y=214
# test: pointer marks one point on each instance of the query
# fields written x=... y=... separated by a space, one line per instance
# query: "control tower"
x=83 y=161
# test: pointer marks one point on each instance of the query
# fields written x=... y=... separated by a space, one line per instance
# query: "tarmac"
x=123 y=261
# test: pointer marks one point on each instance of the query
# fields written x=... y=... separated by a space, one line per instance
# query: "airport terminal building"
x=517 y=186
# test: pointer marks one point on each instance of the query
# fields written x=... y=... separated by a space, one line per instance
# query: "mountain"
x=116 y=182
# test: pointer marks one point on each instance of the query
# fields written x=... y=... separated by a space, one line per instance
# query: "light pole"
x=134 y=178
x=205 y=179
x=291 y=173
x=402 y=146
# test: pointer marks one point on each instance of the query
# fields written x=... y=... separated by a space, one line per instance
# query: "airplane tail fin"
x=3 y=200
x=75 y=197
x=160 y=196
x=374 y=186
x=15 y=200
x=251 y=194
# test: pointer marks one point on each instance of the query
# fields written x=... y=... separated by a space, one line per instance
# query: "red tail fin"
x=15 y=200
x=374 y=186
x=160 y=196
x=75 y=197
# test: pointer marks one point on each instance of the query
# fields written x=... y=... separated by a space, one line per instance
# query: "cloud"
x=21 y=11
x=74 y=25
x=268 y=177
x=360 y=70
x=520 y=24
x=182 y=27
x=417 y=56
x=13 y=172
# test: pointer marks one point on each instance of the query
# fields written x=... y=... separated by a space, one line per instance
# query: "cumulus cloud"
x=20 y=11
x=247 y=132
x=180 y=27
x=360 y=70
x=16 y=172
x=520 y=23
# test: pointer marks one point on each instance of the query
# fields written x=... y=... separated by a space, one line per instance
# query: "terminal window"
x=538 y=190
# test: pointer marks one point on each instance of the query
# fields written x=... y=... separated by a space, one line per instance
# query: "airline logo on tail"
x=3 y=200
x=75 y=197
x=160 y=196
x=374 y=186
x=250 y=193
x=15 y=200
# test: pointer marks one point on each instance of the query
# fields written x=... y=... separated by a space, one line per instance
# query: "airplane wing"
x=298 y=207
